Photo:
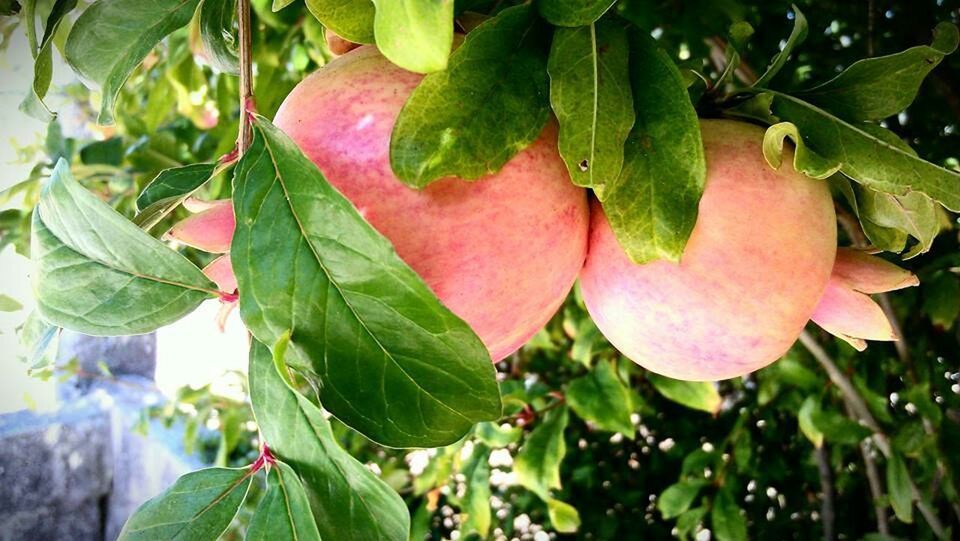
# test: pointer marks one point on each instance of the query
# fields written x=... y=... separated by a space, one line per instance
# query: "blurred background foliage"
x=590 y=442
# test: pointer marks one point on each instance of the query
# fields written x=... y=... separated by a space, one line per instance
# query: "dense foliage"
x=827 y=441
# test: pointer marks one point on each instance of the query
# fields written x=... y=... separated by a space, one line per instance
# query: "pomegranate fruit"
x=501 y=252
x=753 y=271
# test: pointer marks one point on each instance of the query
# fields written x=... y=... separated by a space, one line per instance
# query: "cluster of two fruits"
x=503 y=252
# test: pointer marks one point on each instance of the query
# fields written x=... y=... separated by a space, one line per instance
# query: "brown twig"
x=858 y=407
x=827 y=513
x=246 y=74
x=876 y=488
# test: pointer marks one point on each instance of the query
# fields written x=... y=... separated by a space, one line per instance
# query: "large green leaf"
x=601 y=398
x=475 y=514
x=413 y=34
x=875 y=88
x=215 y=19
x=350 y=19
x=653 y=206
x=198 y=507
x=284 y=511
x=899 y=488
x=392 y=361
x=573 y=12
x=33 y=104
x=590 y=94
x=863 y=156
x=489 y=103
x=698 y=395
x=888 y=219
x=112 y=37
x=348 y=501
x=97 y=273
x=537 y=465
x=168 y=190
x=797 y=35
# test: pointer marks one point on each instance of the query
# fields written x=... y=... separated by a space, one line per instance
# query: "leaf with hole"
x=590 y=95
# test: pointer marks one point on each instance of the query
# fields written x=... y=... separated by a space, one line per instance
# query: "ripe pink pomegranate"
x=752 y=273
x=759 y=264
x=501 y=252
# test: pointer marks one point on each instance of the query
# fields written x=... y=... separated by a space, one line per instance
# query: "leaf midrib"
x=279 y=179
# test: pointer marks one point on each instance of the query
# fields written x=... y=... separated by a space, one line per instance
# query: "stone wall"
x=76 y=474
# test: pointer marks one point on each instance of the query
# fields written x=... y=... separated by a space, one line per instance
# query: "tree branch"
x=827 y=513
x=858 y=407
x=246 y=75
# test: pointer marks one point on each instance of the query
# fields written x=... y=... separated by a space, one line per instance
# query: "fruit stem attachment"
x=246 y=75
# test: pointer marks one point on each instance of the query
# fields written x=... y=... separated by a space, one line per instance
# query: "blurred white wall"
x=192 y=351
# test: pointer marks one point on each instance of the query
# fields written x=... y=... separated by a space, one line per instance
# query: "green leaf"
x=864 y=157
x=653 y=206
x=805 y=419
x=39 y=340
x=563 y=516
x=107 y=152
x=805 y=160
x=9 y=304
x=590 y=94
x=698 y=395
x=898 y=486
x=497 y=436
x=168 y=190
x=413 y=34
x=941 y=299
x=573 y=12
x=280 y=4
x=888 y=220
x=111 y=38
x=350 y=19
x=688 y=521
x=392 y=362
x=601 y=398
x=98 y=274
x=797 y=36
x=284 y=511
x=875 y=88
x=348 y=501
x=537 y=465
x=9 y=7
x=198 y=507
x=475 y=512
x=839 y=428
x=677 y=498
x=489 y=103
x=215 y=19
x=728 y=524
x=33 y=104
